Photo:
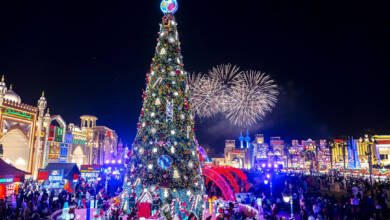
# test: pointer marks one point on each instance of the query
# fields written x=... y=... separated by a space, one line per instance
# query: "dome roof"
x=12 y=96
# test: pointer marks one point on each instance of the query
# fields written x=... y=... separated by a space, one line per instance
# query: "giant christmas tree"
x=164 y=174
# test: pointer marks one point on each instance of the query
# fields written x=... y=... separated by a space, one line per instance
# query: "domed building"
x=19 y=129
x=10 y=95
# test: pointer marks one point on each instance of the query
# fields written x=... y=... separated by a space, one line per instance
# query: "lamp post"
x=369 y=142
x=289 y=199
x=344 y=154
x=331 y=146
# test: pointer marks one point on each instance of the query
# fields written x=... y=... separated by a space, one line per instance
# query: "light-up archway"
x=220 y=182
x=225 y=173
x=240 y=174
x=16 y=149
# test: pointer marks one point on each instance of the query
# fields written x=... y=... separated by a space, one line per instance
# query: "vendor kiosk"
x=10 y=179
x=90 y=173
x=57 y=175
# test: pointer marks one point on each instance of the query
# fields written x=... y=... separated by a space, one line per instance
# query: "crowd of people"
x=34 y=200
x=314 y=198
x=325 y=197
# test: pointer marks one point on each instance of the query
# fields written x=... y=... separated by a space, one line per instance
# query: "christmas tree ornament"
x=158 y=102
x=169 y=110
x=171 y=40
x=164 y=162
x=163 y=52
x=176 y=174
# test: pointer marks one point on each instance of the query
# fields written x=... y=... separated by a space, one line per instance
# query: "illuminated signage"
x=76 y=141
x=59 y=134
x=9 y=180
x=20 y=114
x=68 y=138
x=63 y=153
x=51 y=133
x=90 y=168
x=54 y=150
x=55 y=178
x=55 y=173
x=6 y=180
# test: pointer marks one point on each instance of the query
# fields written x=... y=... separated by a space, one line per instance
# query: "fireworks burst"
x=204 y=94
x=244 y=97
x=225 y=73
x=251 y=96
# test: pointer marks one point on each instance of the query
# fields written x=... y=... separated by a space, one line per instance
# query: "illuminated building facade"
x=107 y=142
x=358 y=152
x=277 y=152
x=31 y=138
x=296 y=158
x=92 y=144
x=234 y=156
x=382 y=149
x=260 y=151
x=253 y=154
x=323 y=156
x=20 y=129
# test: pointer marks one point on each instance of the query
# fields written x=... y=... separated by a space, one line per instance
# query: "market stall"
x=10 y=178
x=58 y=175
x=90 y=173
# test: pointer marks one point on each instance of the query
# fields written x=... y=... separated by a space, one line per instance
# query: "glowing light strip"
x=11 y=112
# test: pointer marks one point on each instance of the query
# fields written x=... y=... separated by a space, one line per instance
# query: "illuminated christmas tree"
x=163 y=170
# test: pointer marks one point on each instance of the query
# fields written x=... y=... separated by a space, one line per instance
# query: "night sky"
x=330 y=59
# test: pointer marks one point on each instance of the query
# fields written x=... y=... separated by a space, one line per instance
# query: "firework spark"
x=205 y=93
x=225 y=73
x=251 y=96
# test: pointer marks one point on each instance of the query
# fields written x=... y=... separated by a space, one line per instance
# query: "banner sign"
x=63 y=153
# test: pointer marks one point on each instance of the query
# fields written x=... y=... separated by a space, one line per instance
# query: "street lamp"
x=289 y=199
x=331 y=146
